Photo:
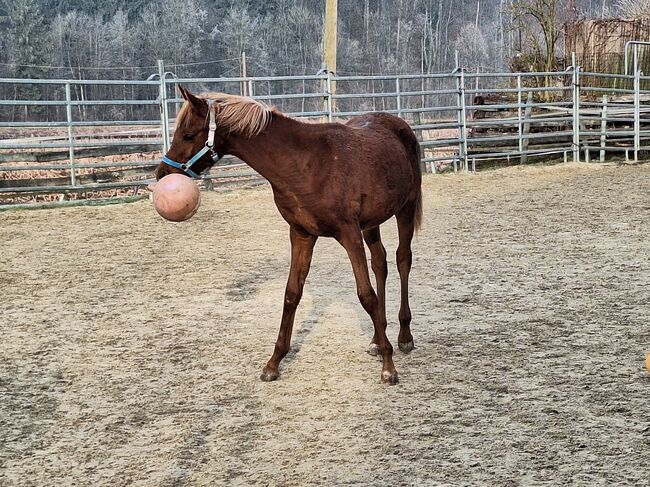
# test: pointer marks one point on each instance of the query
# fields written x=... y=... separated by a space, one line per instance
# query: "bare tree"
x=472 y=46
x=633 y=9
x=539 y=23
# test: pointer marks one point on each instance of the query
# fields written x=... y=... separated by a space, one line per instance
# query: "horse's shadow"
x=315 y=315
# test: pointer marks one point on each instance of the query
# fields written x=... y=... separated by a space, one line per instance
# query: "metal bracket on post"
x=68 y=113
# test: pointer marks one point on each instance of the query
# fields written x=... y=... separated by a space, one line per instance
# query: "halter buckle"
x=212 y=125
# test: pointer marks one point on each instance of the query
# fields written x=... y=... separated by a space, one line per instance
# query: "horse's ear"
x=190 y=97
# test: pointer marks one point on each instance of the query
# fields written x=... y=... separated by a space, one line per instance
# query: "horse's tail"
x=418 y=210
x=412 y=146
x=418 y=198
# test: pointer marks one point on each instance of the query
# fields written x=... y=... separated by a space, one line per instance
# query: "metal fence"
x=78 y=143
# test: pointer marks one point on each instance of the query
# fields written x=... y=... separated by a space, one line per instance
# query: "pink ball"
x=176 y=197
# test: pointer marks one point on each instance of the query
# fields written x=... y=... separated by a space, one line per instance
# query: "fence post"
x=244 y=75
x=399 y=97
x=525 y=139
x=463 y=112
x=519 y=124
x=603 y=128
x=462 y=121
x=330 y=116
x=576 y=110
x=637 y=105
x=68 y=113
x=164 y=115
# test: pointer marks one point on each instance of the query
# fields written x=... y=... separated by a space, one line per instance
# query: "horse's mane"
x=235 y=114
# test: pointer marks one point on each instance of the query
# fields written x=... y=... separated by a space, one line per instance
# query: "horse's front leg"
x=302 y=246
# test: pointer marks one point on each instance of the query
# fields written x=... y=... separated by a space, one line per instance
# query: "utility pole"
x=330 y=38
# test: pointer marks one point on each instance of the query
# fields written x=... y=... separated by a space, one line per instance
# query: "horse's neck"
x=277 y=152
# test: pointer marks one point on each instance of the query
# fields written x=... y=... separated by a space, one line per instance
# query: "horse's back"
x=381 y=124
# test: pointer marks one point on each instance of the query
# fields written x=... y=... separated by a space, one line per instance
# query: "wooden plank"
x=88 y=202
x=97 y=177
x=79 y=153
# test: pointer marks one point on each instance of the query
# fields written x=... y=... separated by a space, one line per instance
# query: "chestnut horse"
x=328 y=180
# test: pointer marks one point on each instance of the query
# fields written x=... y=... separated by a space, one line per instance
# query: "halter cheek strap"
x=186 y=167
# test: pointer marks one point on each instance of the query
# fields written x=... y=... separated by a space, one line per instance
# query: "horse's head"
x=196 y=145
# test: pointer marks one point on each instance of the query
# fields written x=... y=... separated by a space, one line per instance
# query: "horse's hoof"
x=389 y=377
x=373 y=349
x=269 y=376
x=406 y=347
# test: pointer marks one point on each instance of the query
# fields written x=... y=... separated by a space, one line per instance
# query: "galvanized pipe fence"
x=76 y=142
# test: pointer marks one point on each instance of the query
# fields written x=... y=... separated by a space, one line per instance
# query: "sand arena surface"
x=131 y=347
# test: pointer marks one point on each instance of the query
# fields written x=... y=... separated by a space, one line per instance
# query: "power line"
x=203 y=62
x=43 y=66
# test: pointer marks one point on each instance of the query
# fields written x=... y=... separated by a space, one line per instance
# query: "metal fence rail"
x=80 y=142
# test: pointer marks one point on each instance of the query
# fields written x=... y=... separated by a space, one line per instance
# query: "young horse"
x=329 y=180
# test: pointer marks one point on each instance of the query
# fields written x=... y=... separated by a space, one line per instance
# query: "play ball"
x=176 y=197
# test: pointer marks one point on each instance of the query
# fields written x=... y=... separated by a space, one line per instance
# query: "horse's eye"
x=188 y=137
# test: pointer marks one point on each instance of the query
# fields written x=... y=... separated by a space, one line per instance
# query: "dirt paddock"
x=131 y=347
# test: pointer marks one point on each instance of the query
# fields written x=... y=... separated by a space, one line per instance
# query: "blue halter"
x=186 y=167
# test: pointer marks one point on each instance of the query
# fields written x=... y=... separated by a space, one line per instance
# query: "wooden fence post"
x=603 y=128
x=526 y=128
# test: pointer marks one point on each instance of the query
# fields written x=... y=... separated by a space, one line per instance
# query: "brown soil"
x=131 y=347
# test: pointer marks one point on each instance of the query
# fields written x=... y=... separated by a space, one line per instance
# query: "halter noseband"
x=186 y=167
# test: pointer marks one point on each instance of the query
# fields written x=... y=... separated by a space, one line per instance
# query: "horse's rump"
x=392 y=125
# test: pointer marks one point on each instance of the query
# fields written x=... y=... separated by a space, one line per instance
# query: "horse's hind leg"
x=351 y=240
x=380 y=269
x=405 y=227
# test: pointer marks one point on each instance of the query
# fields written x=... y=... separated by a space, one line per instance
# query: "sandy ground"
x=131 y=347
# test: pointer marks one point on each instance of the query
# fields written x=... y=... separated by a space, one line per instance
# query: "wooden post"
x=330 y=40
x=603 y=128
x=526 y=128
